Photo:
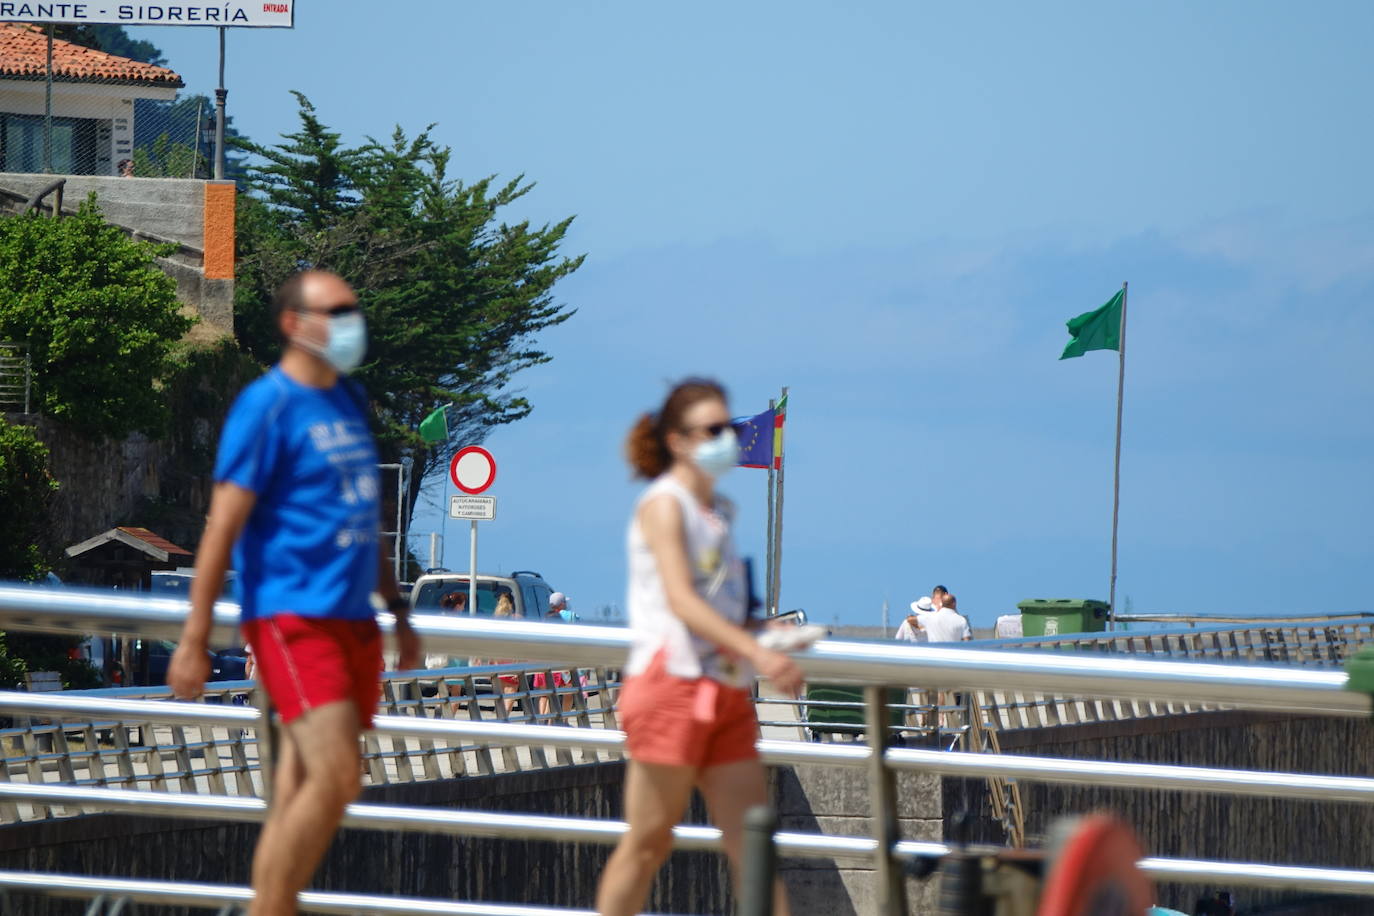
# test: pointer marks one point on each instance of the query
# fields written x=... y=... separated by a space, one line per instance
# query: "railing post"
x=882 y=792
x=267 y=740
x=760 y=862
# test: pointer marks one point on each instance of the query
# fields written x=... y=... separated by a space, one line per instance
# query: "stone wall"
x=1196 y=825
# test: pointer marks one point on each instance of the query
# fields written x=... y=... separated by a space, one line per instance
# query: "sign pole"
x=1116 y=475
x=220 y=95
x=472 y=572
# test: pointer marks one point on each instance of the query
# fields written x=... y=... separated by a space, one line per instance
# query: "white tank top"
x=717 y=574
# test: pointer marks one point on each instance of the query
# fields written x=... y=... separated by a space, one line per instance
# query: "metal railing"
x=16 y=378
x=1298 y=689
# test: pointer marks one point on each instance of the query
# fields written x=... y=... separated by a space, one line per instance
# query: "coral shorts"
x=694 y=722
x=308 y=662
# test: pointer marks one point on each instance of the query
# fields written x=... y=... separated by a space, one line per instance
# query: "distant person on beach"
x=910 y=629
x=687 y=705
x=945 y=623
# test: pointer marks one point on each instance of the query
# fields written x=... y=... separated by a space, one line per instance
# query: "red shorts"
x=305 y=662
x=695 y=722
x=539 y=681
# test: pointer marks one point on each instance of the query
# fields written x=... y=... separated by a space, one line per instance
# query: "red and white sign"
x=472 y=469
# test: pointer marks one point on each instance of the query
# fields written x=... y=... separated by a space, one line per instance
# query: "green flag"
x=434 y=428
x=1099 y=329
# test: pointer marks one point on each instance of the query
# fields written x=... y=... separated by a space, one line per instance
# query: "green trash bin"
x=1058 y=616
x=848 y=719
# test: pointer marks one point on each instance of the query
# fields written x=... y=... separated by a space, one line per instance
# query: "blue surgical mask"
x=347 y=343
x=719 y=455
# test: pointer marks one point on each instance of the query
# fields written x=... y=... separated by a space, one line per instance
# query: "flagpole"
x=777 y=524
x=1116 y=476
x=768 y=607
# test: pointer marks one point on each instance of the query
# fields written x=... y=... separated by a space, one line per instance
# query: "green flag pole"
x=1116 y=476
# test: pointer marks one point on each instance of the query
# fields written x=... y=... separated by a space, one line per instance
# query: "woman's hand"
x=779 y=669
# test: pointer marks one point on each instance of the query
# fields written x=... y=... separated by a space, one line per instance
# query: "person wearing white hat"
x=910 y=629
x=558 y=610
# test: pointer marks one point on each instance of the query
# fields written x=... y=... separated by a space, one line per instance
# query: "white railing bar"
x=950 y=763
x=1251 y=874
x=170 y=893
x=566 y=645
x=491 y=824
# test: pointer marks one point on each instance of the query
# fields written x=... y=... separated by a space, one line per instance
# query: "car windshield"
x=429 y=594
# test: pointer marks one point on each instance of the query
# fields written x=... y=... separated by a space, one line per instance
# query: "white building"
x=93 y=97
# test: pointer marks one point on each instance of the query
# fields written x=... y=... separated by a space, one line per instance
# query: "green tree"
x=26 y=491
x=101 y=322
x=454 y=297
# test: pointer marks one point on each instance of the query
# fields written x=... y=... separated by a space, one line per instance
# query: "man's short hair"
x=290 y=296
x=939 y=589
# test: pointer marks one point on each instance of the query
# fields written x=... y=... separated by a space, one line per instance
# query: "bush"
x=101 y=322
x=26 y=491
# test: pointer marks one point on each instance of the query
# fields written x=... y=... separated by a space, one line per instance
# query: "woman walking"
x=686 y=706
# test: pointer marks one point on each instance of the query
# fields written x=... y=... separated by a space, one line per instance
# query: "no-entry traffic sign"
x=472 y=469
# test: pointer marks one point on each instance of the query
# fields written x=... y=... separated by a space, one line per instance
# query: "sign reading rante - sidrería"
x=277 y=15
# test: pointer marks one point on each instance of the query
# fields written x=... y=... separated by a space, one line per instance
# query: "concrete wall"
x=1194 y=825
x=167 y=208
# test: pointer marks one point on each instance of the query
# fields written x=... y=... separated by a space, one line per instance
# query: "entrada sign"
x=278 y=15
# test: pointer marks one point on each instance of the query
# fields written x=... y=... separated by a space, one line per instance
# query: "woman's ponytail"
x=645 y=448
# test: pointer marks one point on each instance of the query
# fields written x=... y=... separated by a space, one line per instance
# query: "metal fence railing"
x=1303 y=689
x=16 y=378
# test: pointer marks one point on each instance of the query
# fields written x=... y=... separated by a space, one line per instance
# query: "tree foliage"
x=26 y=491
x=454 y=297
x=101 y=322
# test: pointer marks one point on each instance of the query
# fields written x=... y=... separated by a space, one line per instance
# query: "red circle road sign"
x=472 y=469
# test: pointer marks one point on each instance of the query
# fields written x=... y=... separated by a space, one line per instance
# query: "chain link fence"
x=74 y=110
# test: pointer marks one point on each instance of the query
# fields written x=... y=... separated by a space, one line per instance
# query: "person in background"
x=945 y=623
x=126 y=168
x=910 y=629
x=558 y=610
x=687 y=707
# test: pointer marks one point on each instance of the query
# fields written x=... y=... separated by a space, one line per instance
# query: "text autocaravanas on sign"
x=277 y=15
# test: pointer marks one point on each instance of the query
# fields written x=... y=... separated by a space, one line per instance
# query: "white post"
x=434 y=550
x=472 y=574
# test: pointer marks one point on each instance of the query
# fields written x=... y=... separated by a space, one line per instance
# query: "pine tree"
x=454 y=298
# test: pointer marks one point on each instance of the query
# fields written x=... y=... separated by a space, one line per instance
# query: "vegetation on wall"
x=101 y=322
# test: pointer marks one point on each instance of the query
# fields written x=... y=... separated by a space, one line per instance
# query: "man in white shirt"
x=945 y=623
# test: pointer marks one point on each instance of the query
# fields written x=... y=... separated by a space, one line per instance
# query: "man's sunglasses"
x=335 y=311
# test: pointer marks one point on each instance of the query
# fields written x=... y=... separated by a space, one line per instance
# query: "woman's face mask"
x=718 y=455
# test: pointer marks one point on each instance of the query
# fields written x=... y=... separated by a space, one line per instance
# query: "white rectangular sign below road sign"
x=473 y=508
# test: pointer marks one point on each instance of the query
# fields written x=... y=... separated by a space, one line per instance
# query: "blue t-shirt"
x=310 y=544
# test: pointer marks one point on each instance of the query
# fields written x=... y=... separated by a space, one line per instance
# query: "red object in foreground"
x=1095 y=873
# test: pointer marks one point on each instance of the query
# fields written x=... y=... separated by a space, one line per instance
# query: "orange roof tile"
x=156 y=540
x=24 y=54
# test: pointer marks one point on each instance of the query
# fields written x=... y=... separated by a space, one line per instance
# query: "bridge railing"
x=1307 y=690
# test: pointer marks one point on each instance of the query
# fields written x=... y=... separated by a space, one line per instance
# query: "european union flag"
x=756 y=440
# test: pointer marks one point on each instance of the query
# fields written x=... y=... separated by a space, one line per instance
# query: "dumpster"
x=848 y=719
x=1057 y=616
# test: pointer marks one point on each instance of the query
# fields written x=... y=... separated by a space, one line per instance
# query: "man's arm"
x=407 y=641
x=230 y=506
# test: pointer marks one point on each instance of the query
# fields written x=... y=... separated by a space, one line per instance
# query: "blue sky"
x=893 y=207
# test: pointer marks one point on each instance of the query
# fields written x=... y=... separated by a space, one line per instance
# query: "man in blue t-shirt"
x=296 y=500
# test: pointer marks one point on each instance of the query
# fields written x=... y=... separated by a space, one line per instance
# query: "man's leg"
x=324 y=745
x=731 y=789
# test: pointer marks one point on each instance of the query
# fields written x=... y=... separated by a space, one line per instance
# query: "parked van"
x=528 y=590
